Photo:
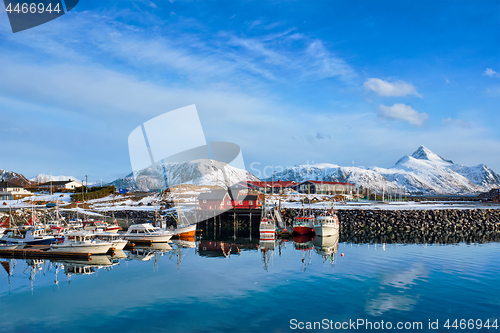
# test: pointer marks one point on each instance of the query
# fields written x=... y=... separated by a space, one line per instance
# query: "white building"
x=11 y=191
x=61 y=184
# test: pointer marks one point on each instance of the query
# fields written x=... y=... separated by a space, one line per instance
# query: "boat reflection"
x=326 y=246
x=305 y=244
x=146 y=253
x=185 y=243
x=267 y=247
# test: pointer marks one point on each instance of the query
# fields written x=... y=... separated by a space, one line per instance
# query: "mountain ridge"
x=421 y=173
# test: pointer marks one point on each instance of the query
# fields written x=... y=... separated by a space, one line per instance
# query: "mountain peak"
x=423 y=153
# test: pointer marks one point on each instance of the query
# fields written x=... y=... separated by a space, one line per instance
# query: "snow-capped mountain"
x=199 y=172
x=42 y=178
x=14 y=177
x=424 y=172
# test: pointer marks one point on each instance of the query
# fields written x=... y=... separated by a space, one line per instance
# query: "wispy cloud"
x=385 y=88
x=491 y=73
x=456 y=122
x=403 y=112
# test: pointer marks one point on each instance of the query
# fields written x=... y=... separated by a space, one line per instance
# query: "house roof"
x=253 y=197
x=4 y=184
x=327 y=183
x=214 y=195
x=277 y=183
x=58 y=182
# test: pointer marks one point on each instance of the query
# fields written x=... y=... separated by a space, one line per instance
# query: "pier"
x=41 y=252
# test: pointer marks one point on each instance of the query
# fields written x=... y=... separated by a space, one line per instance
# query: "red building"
x=248 y=201
x=222 y=199
x=217 y=199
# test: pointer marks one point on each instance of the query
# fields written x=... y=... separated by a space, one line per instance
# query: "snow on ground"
x=27 y=201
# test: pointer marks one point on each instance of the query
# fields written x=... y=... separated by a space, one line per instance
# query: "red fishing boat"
x=303 y=225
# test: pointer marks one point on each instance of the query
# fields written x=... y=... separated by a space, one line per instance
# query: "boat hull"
x=303 y=230
x=326 y=230
x=81 y=248
x=267 y=231
x=119 y=244
x=150 y=238
x=187 y=231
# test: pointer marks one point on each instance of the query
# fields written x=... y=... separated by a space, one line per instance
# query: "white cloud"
x=404 y=112
x=385 y=88
x=491 y=73
x=456 y=122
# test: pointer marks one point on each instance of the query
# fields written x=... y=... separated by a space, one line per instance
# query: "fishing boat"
x=267 y=229
x=303 y=225
x=267 y=226
x=147 y=232
x=326 y=225
x=81 y=242
x=29 y=236
x=118 y=243
x=92 y=225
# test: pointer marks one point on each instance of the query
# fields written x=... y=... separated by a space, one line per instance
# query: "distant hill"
x=14 y=177
x=422 y=173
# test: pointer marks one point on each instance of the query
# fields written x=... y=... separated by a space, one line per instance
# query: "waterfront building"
x=11 y=191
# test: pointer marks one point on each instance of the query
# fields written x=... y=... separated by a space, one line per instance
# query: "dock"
x=41 y=252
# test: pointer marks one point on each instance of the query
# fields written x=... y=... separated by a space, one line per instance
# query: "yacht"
x=147 y=232
x=81 y=242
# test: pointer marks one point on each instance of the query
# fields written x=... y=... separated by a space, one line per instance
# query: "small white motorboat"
x=81 y=242
x=147 y=232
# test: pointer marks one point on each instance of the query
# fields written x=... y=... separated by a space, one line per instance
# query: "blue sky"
x=354 y=83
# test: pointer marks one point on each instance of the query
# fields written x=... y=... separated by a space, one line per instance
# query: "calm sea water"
x=247 y=286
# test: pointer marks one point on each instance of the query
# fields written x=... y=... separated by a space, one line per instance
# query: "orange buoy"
x=341 y=254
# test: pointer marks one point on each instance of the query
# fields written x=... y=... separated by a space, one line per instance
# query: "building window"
x=240 y=202
x=250 y=202
x=204 y=201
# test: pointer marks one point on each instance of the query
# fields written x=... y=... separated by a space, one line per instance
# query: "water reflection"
x=308 y=249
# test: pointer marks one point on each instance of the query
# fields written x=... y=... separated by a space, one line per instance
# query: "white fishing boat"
x=118 y=243
x=267 y=226
x=267 y=229
x=81 y=242
x=147 y=232
x=326 y=225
